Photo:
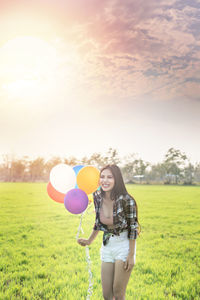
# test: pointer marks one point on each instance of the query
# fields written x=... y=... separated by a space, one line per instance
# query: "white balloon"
x=63 y=178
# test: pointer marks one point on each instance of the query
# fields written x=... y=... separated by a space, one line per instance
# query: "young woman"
x=116 y=216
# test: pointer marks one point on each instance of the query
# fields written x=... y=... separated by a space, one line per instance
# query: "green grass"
x=40 y=258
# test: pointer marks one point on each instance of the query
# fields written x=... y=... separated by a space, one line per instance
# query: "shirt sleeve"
x=96 y=224
x=130 y=211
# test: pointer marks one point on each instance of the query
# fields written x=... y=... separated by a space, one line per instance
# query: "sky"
x=78 y=77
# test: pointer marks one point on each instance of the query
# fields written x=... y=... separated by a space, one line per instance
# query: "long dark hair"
x=119 y=187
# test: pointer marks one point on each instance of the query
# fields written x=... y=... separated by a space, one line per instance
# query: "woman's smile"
x=107 y=180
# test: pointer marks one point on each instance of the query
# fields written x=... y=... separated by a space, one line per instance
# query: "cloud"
x=122 y=68
x=192 y=79
x=130 y=48
x=150 y=44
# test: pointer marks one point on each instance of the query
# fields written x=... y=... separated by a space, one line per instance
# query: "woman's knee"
x=107 y=295
x=118 y=293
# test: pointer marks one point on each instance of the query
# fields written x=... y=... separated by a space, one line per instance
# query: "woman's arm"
x=129 y=263
x=130 y=211
x=132 y=247
x=132 y=231
x=84 y=242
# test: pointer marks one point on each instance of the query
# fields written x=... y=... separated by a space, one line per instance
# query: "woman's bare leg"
x=121 y=278
x=107 y=278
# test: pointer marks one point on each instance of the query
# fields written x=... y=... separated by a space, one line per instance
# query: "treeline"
x=174 y=169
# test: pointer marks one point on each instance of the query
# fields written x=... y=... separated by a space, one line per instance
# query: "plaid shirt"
x=124 y=215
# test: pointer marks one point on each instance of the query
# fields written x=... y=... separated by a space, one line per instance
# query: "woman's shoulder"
x=129 y=199
x=97 y=195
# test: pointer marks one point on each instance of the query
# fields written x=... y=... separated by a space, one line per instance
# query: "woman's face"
x=107 y=180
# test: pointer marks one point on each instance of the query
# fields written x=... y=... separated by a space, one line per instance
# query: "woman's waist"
x=116 y=229
x=115 y=237
x=113 y=229
x=114 y=232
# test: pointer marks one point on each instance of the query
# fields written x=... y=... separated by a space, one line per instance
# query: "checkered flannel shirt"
x=124 y=215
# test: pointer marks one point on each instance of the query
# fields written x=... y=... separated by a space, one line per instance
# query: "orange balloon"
x=88 y=179
x=54 y=194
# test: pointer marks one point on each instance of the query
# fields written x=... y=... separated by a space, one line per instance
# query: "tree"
x=134 y=167
x=140 y=166
x=6 y=172
x=17 y=170
x=189 y=174
x=127 y=169
x=174 y=164
x=197 y=173
x=71 y=161
x=36 y=169
x=96 y=160
x=157 y=173
x=99 y=160
x=111 y=157
x=50 y=164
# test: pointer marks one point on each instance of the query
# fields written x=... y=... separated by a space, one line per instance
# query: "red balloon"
x=54 y=194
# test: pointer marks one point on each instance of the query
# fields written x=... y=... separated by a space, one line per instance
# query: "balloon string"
x=90 y=288
x=89 y=208
x=80 y=227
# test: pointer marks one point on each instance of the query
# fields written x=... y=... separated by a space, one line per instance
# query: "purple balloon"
x=76 y=201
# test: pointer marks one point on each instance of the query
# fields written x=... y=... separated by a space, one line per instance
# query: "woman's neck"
x=107 y=196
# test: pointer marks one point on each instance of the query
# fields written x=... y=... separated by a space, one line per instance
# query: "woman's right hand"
x=83 y=242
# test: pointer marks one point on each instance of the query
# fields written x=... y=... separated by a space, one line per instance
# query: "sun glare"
x=26 y=62
x=21 y=88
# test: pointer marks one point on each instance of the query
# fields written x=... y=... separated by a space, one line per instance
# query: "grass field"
x=40 y=258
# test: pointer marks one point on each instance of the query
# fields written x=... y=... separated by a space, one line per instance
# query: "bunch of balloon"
x=73 y=186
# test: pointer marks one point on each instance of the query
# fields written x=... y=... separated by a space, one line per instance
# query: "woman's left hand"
x=129 y=263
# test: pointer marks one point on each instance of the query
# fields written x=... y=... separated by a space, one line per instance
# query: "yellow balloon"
x=88 y=179
x=90 y=197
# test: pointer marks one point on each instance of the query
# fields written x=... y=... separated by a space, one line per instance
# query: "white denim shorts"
x=117 y=248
